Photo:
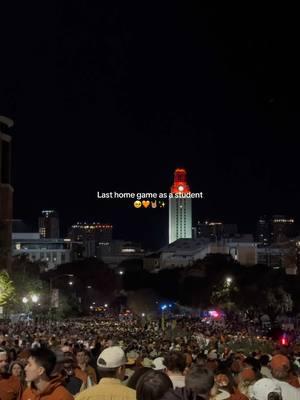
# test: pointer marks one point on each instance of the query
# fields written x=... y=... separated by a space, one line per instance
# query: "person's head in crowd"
x=40 y=366
x=87 y=357
x=201 y=360
x=68 y=365
x=16 y=368
x=12 y=355
x=153 y=385
x=264 y=360
x=81 y=356
x=111 y=363
x=221 y=384
x=280 y=367
x=188 y=359
x=251 y=362
x=246 y=379
x=175 y=362
x=158 y=364
x=3 y=361
x=266 y=389
x=200 y=381
x=133 y=380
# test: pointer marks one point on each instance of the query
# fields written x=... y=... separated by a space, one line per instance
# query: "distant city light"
x=214 y=313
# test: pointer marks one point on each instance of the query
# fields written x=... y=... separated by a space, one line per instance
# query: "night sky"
x=116 y=96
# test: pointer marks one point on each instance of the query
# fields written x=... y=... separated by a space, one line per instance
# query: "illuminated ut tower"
x=180 y=208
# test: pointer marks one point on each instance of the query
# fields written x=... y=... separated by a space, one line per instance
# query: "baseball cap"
x=158 y=364
x=263 y=387
x=111 y=357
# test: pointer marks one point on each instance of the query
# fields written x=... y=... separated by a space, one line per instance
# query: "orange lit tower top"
x=180 y=184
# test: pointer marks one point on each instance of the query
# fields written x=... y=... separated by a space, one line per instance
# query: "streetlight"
x=228 y=281
x=121 y=272
x=70 y=283
x=34 y=298
x=105 y=305
x=143 y=314
x=25 y=300
x=59 y=276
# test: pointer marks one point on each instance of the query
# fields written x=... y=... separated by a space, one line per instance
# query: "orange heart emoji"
x=146 y=203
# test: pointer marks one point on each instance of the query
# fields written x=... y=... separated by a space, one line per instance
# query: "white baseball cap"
x=263 y=387
x=159 y=364
x=111 y=357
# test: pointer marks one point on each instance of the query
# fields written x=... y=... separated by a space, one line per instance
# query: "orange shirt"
x=10 y=387
x=81 y=375
x=237 y=395
x=53 y=391
x=293 y=380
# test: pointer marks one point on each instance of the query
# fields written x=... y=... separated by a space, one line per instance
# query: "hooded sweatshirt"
x=10 y=387
x=53 y=391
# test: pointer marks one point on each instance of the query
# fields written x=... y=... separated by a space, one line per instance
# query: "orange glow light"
x=180 y=184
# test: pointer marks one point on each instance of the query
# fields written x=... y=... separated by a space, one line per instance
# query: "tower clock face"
x=180 y=188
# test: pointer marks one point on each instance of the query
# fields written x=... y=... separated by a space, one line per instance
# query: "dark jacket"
x=182 y=394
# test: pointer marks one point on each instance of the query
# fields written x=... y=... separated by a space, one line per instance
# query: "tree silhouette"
x=7 y=289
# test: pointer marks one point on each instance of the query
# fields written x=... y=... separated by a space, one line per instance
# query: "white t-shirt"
x=178 y=381
x=288 y=391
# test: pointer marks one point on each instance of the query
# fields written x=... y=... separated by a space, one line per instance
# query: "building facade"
x=49 y=224
x=52 y=252
x=282 y=228
x=6 y=192
x=95 y=237
x=215 y=230
x=180 y=208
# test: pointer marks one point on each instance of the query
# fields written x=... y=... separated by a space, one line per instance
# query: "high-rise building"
x=215 y=230
x=282 y=228
x=263 y=231
x=49 y=224
x=6 y=192
x=180 y=208
x=95 y=237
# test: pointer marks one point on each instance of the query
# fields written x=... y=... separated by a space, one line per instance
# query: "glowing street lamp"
x=34 y=298
x=25 y=300
x=228 y=281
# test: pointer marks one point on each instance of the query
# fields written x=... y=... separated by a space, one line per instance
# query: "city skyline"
x=96 y=114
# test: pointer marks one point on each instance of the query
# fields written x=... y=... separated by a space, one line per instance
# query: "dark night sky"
x=115 y=97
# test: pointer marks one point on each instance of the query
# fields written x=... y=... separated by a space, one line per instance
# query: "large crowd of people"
x=181 y=359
